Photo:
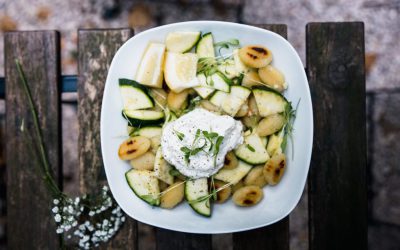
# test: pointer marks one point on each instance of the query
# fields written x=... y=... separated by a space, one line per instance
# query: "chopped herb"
x=179 y=135
x=250 y=148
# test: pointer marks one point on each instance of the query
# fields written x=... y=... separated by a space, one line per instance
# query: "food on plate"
x=207 y=123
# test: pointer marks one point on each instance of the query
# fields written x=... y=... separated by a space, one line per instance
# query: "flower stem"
x=46 y=169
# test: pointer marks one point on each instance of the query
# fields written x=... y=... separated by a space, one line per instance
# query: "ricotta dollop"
x=182 y=132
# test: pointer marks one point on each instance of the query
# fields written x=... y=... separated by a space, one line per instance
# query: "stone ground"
x=382 y=35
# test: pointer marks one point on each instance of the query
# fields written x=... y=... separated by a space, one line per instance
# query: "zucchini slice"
x=134 y=95
x=269 y=101
x=145 y=185
x=182 y=41
x=149 y=132
x=204 y=92
x=162 y=168
x=205 y=47
x=195 y=189
x=216 y=81
x=141 y=118
x=231 y=102
x=233 y=176
x=252 y=150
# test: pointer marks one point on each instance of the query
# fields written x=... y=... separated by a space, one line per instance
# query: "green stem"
x=46 y=169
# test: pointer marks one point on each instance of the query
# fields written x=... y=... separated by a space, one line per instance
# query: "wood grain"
x=171 y=240
x=30 y=224
x=337 y=180
x=96 y=49
x=275 y=236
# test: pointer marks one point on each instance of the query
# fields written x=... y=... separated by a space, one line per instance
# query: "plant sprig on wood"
x=90 y=219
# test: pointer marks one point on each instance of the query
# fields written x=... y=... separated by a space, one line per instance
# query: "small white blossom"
x=59 y=231
x=56 y=201
x=57 y=218
x=55 y=210
x=91 y=213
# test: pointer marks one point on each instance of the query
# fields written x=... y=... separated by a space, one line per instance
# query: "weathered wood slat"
x=96 y=49
x=275 y=236
x=171 y=240
x=30 y=225
x=337 y=180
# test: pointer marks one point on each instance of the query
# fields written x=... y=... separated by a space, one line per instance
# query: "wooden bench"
x=337 y=192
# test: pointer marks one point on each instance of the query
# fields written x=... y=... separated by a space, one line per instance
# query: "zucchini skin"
x=265 y=88
x=133 y=190
x=142 y=123
x=135 y=84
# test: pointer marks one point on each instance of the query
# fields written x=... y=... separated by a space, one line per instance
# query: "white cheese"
x=202 y=163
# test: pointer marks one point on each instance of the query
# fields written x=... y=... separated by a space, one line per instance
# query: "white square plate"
x=278 y=201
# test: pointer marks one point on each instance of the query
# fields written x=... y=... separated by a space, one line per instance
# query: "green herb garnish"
x=179 y=135
x=290 y=116
x=226 y=44
x=250 y=148
x=211 y=140
x=213 y=194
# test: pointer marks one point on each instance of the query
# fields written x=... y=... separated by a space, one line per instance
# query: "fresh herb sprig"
x=226 y=44
x=87 y=220
x=290 y=116
x=212 y=140
x=180 y=135
x=212 y=194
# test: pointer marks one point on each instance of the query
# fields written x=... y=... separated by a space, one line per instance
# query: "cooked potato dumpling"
x=155 y=142
x=177 y=101
x=251 y=79
x=133 y=147
x=272 y=77
x=251 y=121
x=223 y=194
x=173 y=195
x=274 y=169
x=247 y=196
x=255 y=56
x=144 y=162
x=162 y=185
x=243 y=110
x=237 y=186
x=270 y=124
x=255 y=177
x=231 y=161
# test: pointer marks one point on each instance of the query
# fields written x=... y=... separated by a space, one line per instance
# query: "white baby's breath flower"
x=91 y=213
x=74 y=223
x=57 y=217
x=59 y=231
x=55 y=210
x=67 y=227
x=56 y=201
